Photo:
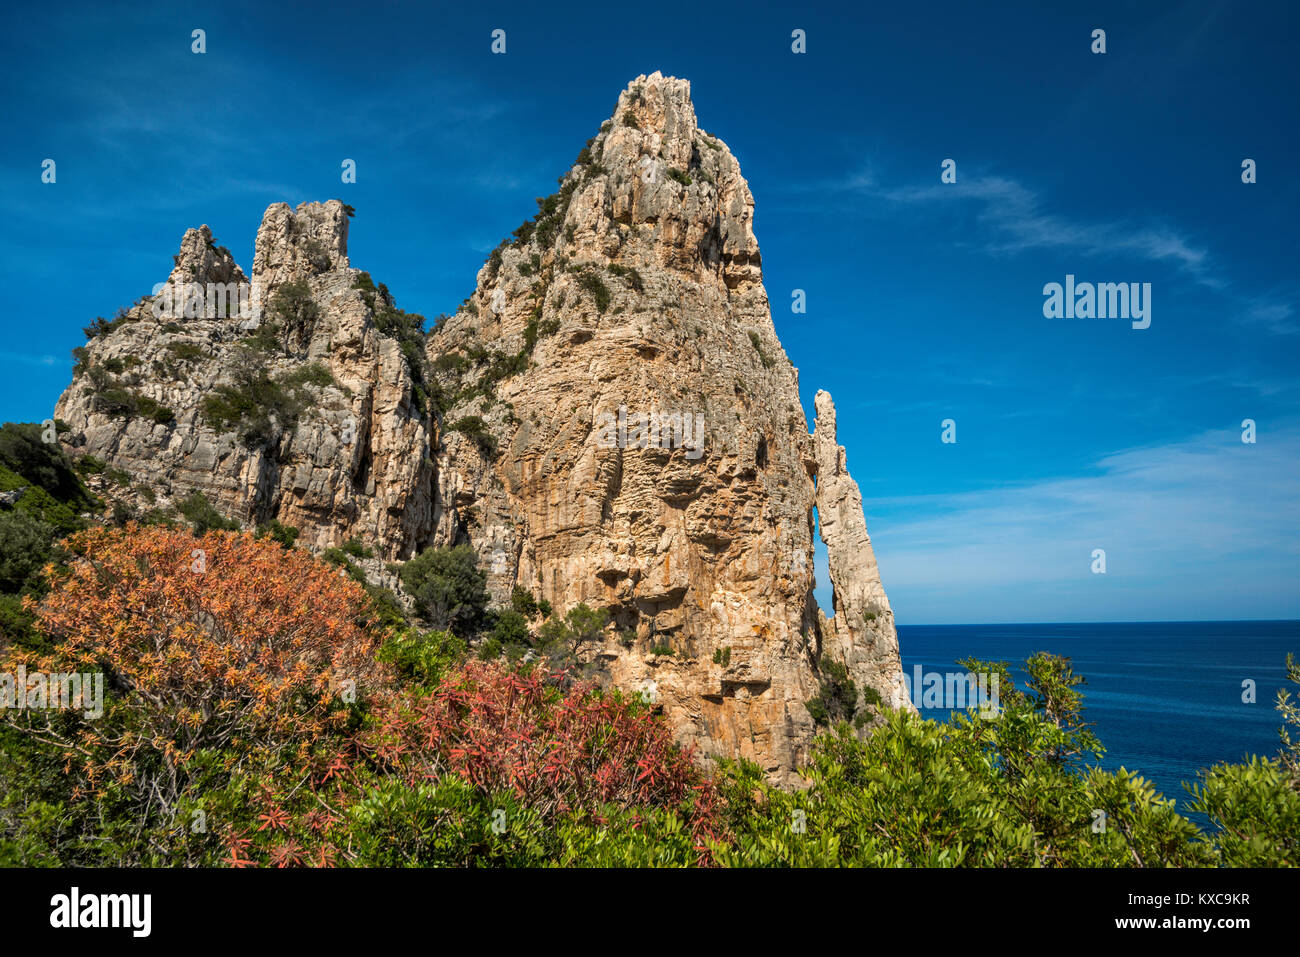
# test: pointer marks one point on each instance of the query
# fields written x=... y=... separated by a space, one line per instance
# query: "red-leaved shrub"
x=556 y=751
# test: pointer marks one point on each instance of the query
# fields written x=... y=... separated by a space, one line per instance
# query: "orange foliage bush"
x=223 y=641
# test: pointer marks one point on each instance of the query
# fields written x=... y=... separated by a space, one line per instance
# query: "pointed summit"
x=201 y=260
x=632 y=299
x=661 y=107
x=294 y=244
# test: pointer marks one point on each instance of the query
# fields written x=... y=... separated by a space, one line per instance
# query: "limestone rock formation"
x=354 y=460
x=609 y=418
x=862 y=634
x=638 y=287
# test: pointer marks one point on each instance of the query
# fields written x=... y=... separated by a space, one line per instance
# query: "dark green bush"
x=448 y=588
x=202 y=516
x=763 y=357
x=422 y=658
x=24 y=452
x=357 y=549
x=286 y=535
x=511 y=628
x=186 y=351
x=591 y=282
x=837 y=698
x=475 y=428
x=629 y=275
x=522 y=601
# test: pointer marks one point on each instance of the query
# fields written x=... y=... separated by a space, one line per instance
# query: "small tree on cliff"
x=448 y=588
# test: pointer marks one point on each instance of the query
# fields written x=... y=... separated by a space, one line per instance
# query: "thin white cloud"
x=1271 y=312
x=1017 y=221
x=28 y=359
x=1204 y=528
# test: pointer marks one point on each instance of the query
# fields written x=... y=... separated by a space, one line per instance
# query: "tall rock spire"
x=636 y=295
x=862 y=635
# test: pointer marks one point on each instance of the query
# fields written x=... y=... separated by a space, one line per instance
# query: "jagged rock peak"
x=608 y=419
x=348 y=457
x=297 y=243
x=661 y=107
x=201 y=260
x=862 y=635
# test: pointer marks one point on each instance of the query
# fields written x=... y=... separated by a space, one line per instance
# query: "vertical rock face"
x=639 y=288
x=297 y=244
x=610 y=419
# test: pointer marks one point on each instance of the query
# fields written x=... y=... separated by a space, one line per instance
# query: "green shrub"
x=186 y=351
x=763 y=357
x=258 y=407
x=286 y=535
x=152 y=409
x=511 y=628
x=1009 y=791
x=522 y=601
x=90 y=465
x=102 y=326
x=423 y=658
x=202 y=516
x=475 y=428
x=837 y=697
x=630 y=275
x=24 y=452
x=292 y=304
x=336 y=556
x=26 y=546
x=452 y=362
x=312 y=373
x=357 y=549
x=585 y=624
x=448 y=588
x=591 y=282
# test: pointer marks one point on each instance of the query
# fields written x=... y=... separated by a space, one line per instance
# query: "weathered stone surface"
x=295 y=244
x=638 y=291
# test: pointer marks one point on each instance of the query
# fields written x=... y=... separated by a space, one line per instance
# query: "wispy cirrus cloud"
x=1017 y=219
x=1208 y=527
x=1272 y=312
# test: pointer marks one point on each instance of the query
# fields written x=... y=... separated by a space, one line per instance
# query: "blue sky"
x=924 y=299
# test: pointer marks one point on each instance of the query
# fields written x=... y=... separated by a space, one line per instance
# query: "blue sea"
x=1165 y=698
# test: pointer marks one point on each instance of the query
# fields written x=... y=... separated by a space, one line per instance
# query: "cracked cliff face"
x=635 y=298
